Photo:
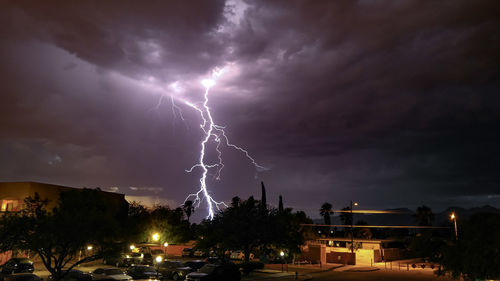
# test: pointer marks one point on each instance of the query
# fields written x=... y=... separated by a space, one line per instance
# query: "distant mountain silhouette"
x=405 y=216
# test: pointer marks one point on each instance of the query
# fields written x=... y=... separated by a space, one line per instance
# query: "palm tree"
x=325 y=211
x=424 y=216
x=188 y=208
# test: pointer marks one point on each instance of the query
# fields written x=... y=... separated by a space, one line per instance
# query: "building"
x=12 y=195
x=338 y=250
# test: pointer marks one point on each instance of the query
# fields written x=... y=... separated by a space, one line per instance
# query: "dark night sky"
x=389 y=103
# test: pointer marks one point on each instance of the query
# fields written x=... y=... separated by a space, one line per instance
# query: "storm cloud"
x=389 y=103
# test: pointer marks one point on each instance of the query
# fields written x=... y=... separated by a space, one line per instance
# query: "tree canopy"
x=81 y=218
x=476 y=254
x=243 y=226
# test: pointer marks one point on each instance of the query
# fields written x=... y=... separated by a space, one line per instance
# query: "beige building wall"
x=12 y=194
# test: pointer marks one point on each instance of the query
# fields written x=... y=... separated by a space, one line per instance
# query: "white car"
x=239 y=255
x=110 y=274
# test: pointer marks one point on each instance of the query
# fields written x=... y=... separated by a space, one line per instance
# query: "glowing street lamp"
x=352 y=227
x=132 y=247
x=89 y=247
x=156 y=237
x=454 y=218
x=282 y=254
x=165 y=245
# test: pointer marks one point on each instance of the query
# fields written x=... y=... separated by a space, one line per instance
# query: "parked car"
x=213 y=259
x=110 y=274
x=17 y=265
x=187 y=252
x=216 y=272
x=129 y=259
x=143 y=272
x=239 y=255
x=22 y=277
x=75 y=275
x=167 y=268
x=186 y=268
x=158 y=253
x=199 y=254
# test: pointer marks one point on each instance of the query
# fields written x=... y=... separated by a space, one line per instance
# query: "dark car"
x=187 y=252
x=214 y=259
x=22 y=277
x=167 y=268
x=110 y=274
x=216 y=272
x=18 y=265
x=129 y=259
x=143 y=272
x=186 y=268
x=75 y=275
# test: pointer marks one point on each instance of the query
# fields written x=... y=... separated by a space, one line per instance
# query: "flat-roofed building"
x=12 y=195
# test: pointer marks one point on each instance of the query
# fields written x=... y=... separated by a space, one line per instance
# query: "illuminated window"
x=11 y=205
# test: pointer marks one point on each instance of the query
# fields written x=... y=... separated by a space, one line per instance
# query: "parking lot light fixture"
x=159 y=259
x=282 y=254
x=165 y=244
x=89 y=247
x=132 y=247
x=156 y=237
x=454 y=219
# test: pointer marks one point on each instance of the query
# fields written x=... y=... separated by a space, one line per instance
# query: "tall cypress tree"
x=280 y=205
x=263 y=198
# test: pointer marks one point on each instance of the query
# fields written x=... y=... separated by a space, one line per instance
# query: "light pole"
x=454 y=218
x=156 y=237
x=165 y=245
x=282 y=254
x=352 y=226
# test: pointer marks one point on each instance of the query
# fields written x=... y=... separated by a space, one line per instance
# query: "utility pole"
x=352 y=226
x=454 y=218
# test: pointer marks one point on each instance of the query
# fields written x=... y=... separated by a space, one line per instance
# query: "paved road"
x=380 y=275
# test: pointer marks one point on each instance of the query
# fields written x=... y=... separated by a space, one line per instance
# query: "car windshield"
x=208 y=268
x=195 y=264
x=147 y=270
x=25 y=278
x=135 y=255
x=113 y=271
x=25 y=261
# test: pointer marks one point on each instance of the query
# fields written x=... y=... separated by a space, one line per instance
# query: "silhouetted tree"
x=325 y=211
x=363 y=232
x=235 y=202
x=475 y=256
x=82 y=217
x=280 y=204
x=424 y=216
x=188 y=208
x=242 y=226
x=346 y=218
x=170 y=224
x=263 y=200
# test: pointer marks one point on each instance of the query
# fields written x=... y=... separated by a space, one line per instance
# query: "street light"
x=89 y=247
x=156 y=237
x=132 y=247
x=352 y=226
x=282 y=254
x=454 y=218
x=165 y=245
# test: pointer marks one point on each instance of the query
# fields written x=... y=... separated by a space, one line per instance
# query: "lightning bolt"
x=216 y=133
